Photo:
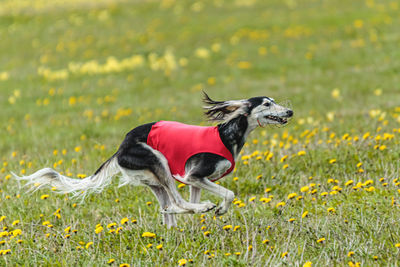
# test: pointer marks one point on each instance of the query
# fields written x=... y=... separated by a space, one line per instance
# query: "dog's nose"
x=289 y=113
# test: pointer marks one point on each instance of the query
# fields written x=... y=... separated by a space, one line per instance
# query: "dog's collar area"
x=259 y=124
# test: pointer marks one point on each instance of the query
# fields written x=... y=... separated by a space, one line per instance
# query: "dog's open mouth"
x=277 y=119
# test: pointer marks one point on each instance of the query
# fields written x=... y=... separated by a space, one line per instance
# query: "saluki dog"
x=155 y=154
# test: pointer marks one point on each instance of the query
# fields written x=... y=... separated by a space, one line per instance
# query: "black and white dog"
x=141 y=163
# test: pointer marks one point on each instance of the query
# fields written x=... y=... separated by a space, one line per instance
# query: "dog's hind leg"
x=140 y=156
x=195 y=194
x=165 y=203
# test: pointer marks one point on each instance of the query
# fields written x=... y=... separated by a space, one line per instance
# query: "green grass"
x=336 y=61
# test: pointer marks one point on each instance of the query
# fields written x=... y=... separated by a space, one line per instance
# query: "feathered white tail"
x=48 y=177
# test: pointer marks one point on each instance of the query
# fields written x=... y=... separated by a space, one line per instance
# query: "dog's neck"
x=234 y=133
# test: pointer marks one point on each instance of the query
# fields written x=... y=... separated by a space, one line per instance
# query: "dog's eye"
x=267 y=104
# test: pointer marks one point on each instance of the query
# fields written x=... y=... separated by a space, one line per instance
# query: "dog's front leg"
x=226 y=194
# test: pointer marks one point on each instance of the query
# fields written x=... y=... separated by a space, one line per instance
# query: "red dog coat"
x=178 y=142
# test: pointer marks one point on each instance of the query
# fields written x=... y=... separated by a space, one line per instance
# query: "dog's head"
x=260 y=110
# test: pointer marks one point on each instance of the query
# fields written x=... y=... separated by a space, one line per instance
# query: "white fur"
x=48 y=177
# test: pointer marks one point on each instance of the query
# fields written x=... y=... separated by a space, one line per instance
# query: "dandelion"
x=148 y=234
x=159 y=247
x=332 y=161
x=237 y=227
x=99 y=229
x=111 y=261
x=307 y=264
x=305 y=214
x=321 y=240
x=252 y=199
x=304 y=189
x=292 y=195
x=227 y=227
x=301 y=153
x=206 y=233
x=124 y=265
x=88 y=245
x=397 y=245
x=351 y=253
x=331 y=210
x=284 y=254
x=16 y=222
x=280 y=204
x=44 y=196
x=182 y=262
x=112 y=225
x=124 y=221
x=349 y=182
x=268 y=199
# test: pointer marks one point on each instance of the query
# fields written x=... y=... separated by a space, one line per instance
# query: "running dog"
x=155 y=154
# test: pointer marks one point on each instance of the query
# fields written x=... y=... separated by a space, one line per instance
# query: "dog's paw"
x=207 y=206
x=221 y=210
x=174 y=210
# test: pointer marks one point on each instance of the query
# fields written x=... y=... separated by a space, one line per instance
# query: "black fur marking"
x=132 y=154
x=205 y=164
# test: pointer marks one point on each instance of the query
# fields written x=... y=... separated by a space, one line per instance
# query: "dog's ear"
x=223 y=110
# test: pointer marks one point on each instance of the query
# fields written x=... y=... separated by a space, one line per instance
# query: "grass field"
x=75 y=76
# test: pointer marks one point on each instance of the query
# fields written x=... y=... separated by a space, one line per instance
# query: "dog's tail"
x=79 y=188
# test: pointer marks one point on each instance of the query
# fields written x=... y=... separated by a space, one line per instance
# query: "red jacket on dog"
x=178 y=142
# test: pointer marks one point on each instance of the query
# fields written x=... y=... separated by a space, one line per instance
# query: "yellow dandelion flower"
x=227 y=227
x=148 y=234
x=237 y=227
x=16 y=222
x=207 y=233
x=331 y=210
x=252 y=199
x=111 y=225
x=351 y=253
x=321 y=240
x=124 y=220
x=89 y=244
x=111 y=261
x=307 y=264
x=267 y=199
x=332 y=161
x=159 y=247
x=301 y=153
x=305 y=214
x=292 y=195
x=182 y=262
x=284 y=254
x=44 y=196
x=99 y=229
x=304 y=189
x=124 y=265
x=280 y=204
